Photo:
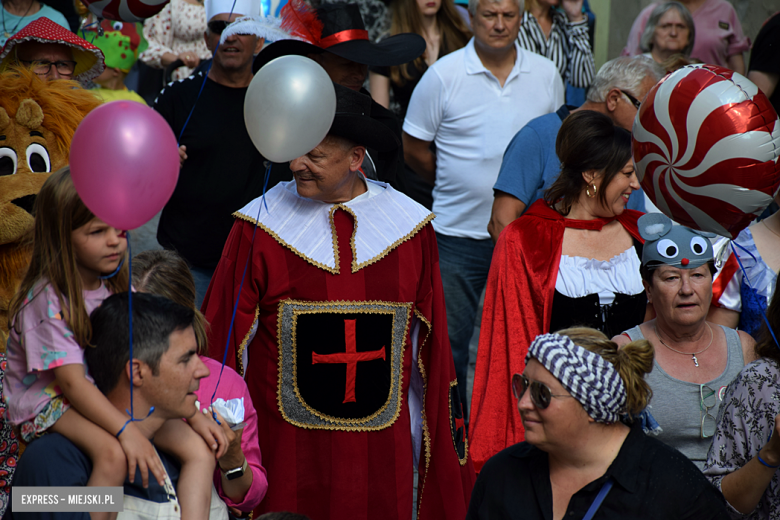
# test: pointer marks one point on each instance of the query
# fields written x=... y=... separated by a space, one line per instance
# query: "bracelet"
x=762 y=461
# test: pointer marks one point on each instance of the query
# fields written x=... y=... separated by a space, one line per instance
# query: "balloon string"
x=121 y=262
x=130 y=412
x=238 y=298
x=84 y=35
x=265 y=186
x=205 y=78
x=747 y=279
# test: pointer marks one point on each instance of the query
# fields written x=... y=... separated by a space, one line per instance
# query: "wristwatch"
x=235 y=473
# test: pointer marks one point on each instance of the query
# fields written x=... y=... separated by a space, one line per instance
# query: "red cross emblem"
x=351 y=357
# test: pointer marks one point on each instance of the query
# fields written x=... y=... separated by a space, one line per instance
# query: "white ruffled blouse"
x=579 y=276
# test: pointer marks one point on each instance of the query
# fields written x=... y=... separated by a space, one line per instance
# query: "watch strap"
x=235 y=473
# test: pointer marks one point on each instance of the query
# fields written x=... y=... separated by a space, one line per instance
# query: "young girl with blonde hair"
x=77 y=262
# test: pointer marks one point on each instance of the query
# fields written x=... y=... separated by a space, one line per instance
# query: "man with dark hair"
x=166 y=370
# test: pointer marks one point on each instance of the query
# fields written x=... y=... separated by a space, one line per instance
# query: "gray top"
x=676 y=404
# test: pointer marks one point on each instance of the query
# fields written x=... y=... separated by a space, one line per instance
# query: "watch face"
x=236 y=473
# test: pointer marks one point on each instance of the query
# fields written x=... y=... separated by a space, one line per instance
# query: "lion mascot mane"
x=37 y=122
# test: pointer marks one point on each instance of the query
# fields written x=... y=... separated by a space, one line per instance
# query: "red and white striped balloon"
x=125 y=10
x=706 y=143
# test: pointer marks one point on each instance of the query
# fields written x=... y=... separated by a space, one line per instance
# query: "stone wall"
x=614 y=19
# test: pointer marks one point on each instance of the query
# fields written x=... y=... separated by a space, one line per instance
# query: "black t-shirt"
x=403 y=93
x=651 y=481
x=223 y=171
x=765 y=56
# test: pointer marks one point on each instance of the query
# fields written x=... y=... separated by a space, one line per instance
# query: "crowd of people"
x=299 y=339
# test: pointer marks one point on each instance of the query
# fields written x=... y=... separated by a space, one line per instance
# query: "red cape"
x=518 y=306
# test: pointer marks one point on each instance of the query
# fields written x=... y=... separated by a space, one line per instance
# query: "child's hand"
x=140 y=452
x=210 y=431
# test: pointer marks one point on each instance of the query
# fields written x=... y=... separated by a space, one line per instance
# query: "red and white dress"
x=178 y=28
x=341 y=335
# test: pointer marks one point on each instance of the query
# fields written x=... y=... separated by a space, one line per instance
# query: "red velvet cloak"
x=326 y=472
x=518 y=306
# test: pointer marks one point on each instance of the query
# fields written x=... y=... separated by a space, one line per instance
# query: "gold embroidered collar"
x=384 y=218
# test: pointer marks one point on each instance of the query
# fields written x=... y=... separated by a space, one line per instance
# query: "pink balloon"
x=124 y=161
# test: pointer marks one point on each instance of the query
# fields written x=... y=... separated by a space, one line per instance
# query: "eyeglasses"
x=541 y=395
x=708 y=421
x=634 y=101
x=217 y=26
x=64 y=67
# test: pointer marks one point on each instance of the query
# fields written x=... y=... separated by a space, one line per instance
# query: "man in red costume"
x=341 y=331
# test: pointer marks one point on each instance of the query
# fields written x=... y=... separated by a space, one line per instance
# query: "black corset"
x=625 y=312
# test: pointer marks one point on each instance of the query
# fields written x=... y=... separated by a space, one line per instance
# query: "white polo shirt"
x=461 y=106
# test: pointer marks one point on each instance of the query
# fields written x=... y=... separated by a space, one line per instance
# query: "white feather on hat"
x=267 y=27
x=241 y=7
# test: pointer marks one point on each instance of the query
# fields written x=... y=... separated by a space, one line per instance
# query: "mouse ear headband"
x=670 y=244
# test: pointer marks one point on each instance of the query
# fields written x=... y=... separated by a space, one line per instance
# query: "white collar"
x=384 y=218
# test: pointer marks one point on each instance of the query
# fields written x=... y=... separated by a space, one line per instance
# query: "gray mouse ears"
x=667 y=243
x=653 y=226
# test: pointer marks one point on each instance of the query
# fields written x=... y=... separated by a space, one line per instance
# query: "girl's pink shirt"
x=233 y=386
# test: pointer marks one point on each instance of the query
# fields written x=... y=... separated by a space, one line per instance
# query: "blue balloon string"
x=84 y=35
x=205 y=77
x=116 y=271
x=747 y=279
x=238 y=297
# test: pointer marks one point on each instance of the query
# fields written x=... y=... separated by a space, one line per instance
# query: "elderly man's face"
x=172 y=390
x=238 y=51
x=328 y=172
x=496 y=24
x=342 y=71
x=43 y=54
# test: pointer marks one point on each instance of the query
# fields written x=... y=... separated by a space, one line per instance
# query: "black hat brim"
x=364 y=131
x=392 y=51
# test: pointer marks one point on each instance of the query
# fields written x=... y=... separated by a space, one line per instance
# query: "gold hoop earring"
x=588 y=193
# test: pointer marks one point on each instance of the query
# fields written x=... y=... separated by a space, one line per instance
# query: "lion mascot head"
x=37 y=122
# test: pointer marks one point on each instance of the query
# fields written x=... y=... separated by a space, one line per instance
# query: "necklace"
x=770 y=229
x=13 y=31
x=692 y=354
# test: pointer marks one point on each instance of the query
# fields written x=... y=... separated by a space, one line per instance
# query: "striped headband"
x=589 y=378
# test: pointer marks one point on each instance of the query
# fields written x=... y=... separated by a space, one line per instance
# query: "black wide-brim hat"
x=353 y=121
x=345 y=35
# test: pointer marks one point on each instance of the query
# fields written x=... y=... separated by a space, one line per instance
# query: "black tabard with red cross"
x=341 y=363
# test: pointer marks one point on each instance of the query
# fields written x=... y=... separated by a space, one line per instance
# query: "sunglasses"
x=217 y=26
x=541 y=395
x=634 y=101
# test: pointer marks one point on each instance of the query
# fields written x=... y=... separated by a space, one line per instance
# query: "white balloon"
x=289 y=107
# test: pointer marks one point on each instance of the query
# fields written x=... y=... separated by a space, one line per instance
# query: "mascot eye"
x=117 y=26
x=7 y=161
x=698 y=245
x=38 y=158
x=667 y=248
